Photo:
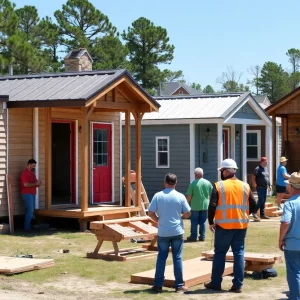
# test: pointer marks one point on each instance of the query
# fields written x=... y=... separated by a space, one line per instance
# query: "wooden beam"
x=127 y=159
x=274 y=142
x=124 y=106
x=91 y=109
x=48 y=157
x=138 y=166
x=105 y=91
x=119 y=90
x=139 y=92
x=84 y=160
x=114 y=95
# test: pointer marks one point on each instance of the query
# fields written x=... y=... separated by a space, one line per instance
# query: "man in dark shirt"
x=261 y=181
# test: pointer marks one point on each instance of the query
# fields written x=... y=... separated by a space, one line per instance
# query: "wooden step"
x=269 y=211
x=268 y=204
x=195 y=271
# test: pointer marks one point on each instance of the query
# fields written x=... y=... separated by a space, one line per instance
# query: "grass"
x=261 y=237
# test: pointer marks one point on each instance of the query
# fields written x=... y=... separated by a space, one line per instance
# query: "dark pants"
x=29 y=201
x=198 y=218
x=262 y=197
x=224 y=238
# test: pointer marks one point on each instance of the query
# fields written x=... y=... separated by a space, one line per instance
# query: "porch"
x=94 y=165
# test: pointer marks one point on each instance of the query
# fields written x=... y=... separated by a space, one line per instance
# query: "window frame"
x=157 y=152
x=258 y=132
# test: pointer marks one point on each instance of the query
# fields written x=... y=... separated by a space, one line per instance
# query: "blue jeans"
x=176 y=242
x=198 y=218
x=292 y=261
x=224 y=238
x=29 y=201
x=262 y=197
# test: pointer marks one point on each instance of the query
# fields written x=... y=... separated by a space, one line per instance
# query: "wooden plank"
x=84 y=160
x=99 y=224
x=127 y=159
x=195 y=271
x=145 y=228
x=248 y=256
x=10 y=204
x=48 y=157
x=13 y=265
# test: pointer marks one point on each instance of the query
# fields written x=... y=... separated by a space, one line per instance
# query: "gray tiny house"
x=201 y=131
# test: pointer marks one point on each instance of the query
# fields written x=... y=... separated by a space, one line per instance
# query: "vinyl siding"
x=3 y=161
x=246 y=112
x=152 y=177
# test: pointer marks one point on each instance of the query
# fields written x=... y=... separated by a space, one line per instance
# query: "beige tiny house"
x=70 y=123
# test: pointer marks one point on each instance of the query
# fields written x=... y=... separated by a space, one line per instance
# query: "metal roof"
x=59 y=87
x=203 y=106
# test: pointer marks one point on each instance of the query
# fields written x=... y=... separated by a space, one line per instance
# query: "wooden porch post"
x=127 y=159
x=48 y=157
x=84 y=159
x=138 y=166
x=274 y=142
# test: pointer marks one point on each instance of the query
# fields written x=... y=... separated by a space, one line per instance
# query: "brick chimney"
x=78 y=60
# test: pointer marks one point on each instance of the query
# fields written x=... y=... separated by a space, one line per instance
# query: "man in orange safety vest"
x=230 y=204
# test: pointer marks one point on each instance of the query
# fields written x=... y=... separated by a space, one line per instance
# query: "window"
x=100 y=147
x=253 y=144
x=162 y=152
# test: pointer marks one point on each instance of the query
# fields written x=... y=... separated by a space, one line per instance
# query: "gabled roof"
x=211 y=108
x=203 y=106
x=61 y=89
x=262 y=100
x=169 y=88
x=270 y=110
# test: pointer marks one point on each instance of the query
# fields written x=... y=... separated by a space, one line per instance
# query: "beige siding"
x=20 y=123
x=21 y=149
x=3 y=153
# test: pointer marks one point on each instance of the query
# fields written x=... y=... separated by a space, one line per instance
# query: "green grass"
x=261 y=237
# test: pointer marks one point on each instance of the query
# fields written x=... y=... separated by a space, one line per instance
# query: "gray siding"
x=246 y=112
x=208 y=159
x=152 y=177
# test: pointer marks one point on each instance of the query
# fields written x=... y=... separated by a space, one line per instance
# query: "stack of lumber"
x=195 y=271
x=117 y=230
x=254 y=261
x=14 y=265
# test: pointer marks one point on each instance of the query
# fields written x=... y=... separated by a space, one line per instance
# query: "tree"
x=196 y=86
x=51 y=39
x=230 y=81
x=255 y=72
x=273 y=81
x=173 y=75
x=208 y=90
x=294 y=59
x=81 y=24
x=148 y=47
x=109 y=53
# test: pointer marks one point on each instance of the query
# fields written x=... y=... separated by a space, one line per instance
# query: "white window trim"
x=258 y=132
x=156 y=151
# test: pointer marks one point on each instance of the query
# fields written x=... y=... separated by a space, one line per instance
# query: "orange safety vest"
x=232 y=211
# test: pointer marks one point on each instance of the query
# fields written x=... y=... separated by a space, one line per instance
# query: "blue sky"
x=209 y=35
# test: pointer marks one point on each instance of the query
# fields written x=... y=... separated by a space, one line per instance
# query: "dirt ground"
x=71 y=287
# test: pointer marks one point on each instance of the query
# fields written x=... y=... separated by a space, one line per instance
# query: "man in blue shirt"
x=282 y=175
x=169 y=208
x=289 y=237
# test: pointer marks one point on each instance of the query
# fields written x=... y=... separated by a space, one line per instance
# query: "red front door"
x=102 y=163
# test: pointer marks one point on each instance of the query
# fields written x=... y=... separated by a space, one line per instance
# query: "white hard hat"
x=228 y=164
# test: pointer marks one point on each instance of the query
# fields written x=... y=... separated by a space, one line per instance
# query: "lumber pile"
x=118 y=230
x=255 y=261
x=195 y=271
x=14 y=265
